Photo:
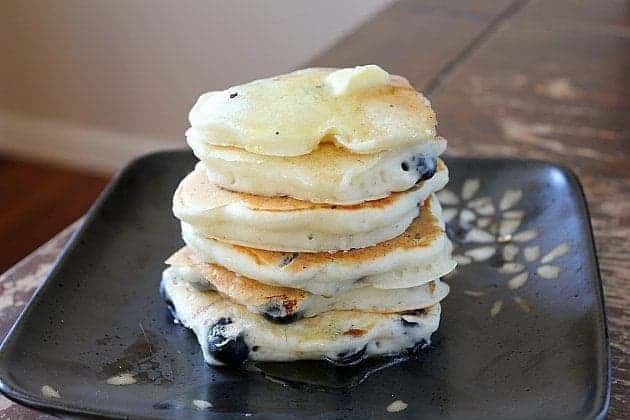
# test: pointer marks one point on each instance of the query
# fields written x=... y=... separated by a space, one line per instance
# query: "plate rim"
x=16 y=394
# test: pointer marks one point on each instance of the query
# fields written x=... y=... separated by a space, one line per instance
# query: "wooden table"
x=545 y=79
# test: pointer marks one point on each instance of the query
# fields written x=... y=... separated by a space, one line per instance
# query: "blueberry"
x=169 y=302
x=171 y=310
x=277 y=313
x=201 y=285
x=163 y=293
x=348 y=358
x=285 y=319
x=408 y=324
x=287 y=259
x=226 y=349
x=419 y=346
x=424 y=165
x=223 y=321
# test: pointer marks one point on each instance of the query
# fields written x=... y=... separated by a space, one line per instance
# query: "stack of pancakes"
x=310 y=223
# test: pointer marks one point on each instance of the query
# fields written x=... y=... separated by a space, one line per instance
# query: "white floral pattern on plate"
x=484 y=227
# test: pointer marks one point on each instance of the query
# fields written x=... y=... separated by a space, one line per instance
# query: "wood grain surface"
x=39 y=200
x=540 y=79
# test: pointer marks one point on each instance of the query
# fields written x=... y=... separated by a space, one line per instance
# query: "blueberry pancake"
x=284 y=304
x=363 y=110
x=229 y=334
x=287 y=224
x=422 y=253
x=311 y=225
x=329 y=174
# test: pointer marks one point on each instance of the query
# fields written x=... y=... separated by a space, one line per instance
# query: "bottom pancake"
x=230 y=335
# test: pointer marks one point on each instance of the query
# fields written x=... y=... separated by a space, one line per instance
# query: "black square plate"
x=523 y=332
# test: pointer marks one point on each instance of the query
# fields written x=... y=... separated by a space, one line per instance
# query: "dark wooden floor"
x=37 y=202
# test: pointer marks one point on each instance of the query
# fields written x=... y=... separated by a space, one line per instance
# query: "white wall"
x=127 y=71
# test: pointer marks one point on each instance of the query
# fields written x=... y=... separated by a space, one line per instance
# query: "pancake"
x=329 y=174
x=287 y=224
x=422 y=253
x=291 y=114
x=284 y=304
x=229 y=334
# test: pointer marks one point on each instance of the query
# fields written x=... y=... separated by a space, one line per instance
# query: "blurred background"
x=88 y=85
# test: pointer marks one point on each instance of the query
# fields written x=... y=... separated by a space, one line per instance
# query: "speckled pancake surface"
x=229 y=334
x=422 y=253
x=287 y=224
x=329 y=174
x=284 y=304
x=291 y=114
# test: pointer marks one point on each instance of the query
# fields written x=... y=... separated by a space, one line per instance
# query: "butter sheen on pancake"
x=229 y=334
x=329 y=174
x=291 y=114
x=421 y=254
x=284 y=304
x=287 y=224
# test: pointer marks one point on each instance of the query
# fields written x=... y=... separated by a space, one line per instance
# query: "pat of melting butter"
x=350 y=80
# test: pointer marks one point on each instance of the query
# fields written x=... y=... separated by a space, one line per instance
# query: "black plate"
x=506 y=349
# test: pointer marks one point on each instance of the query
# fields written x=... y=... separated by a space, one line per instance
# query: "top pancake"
x=291 y=114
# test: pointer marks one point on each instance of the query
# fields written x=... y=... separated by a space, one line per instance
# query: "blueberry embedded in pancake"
x=285 y=305
x=169 y=303
x=407 y=323
x=228 y=333
x=277 y=312
x=311 y=227
x=424 y=166
x=290 y=225
x=227 y=349
x=421 y=254
x=348 y=357
x=329 y=174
